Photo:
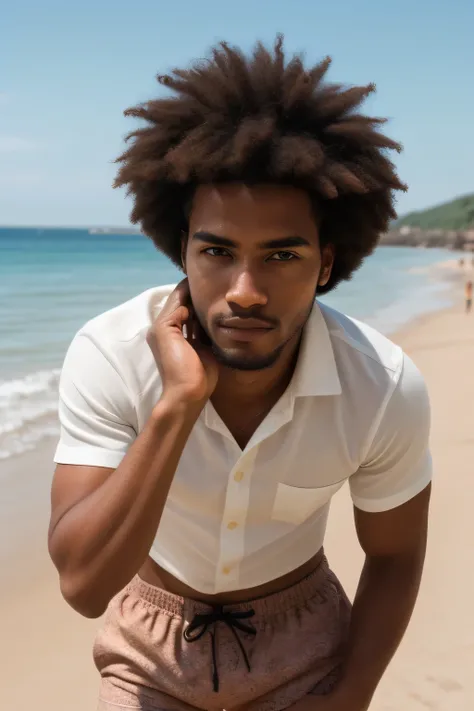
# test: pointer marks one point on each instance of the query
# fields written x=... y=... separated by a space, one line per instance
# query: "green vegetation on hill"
x=455 y=215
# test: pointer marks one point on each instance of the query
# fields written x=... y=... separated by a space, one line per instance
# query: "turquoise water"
x=53 y=280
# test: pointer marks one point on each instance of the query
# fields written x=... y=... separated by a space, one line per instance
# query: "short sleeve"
x=96 y=413
x=398 y=464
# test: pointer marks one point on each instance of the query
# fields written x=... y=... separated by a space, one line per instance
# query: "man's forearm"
x=383 y=605
x=100 y=543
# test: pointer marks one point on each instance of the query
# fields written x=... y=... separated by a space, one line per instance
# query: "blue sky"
x=69 y=69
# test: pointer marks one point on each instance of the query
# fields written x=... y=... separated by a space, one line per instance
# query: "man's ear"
x=327 y=261
x=184 y=242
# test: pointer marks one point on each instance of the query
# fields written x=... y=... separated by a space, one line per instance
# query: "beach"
x=46 y=663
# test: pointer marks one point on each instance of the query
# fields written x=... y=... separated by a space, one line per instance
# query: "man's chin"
x=235 y=360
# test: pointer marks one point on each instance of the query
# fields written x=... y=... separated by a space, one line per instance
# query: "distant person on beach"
x=205 y=427
x=468 y=294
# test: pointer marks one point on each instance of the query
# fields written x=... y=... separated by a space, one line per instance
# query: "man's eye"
x=216 y=252
x=283 y=256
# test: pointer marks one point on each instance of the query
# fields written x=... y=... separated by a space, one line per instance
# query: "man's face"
x=253 y=262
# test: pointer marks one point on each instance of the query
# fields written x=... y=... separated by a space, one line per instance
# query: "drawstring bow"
x=235 y=620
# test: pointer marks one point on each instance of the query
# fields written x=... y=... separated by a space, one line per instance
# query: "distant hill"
x=457 y=214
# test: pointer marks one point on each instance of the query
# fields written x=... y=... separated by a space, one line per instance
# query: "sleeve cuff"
x=392 y=502
x=88 y=456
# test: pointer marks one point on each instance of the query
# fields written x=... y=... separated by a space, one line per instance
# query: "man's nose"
x=245 y=291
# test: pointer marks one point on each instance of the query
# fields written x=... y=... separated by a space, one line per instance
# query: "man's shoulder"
x=119 y=335
x=357 y=341
x=128 y=322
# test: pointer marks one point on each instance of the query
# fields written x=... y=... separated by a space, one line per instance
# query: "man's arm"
x=103 y=522
x=394 y=543
x=111 y=484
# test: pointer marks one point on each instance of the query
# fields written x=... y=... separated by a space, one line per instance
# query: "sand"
x=45 y=661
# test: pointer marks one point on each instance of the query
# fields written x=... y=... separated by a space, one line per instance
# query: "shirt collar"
x=316 y=369
x=315 y=374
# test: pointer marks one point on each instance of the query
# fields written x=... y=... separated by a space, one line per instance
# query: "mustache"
x=222 y=320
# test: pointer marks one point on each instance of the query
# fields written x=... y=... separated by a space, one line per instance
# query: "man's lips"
x=246 y=324
x=244 y=329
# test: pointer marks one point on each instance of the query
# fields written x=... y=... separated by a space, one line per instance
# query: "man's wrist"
x=172 y=405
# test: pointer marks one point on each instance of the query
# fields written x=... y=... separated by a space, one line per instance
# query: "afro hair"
x=262 y=119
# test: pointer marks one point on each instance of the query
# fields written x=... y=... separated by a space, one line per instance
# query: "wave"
x=41 y=381
x=28 y=411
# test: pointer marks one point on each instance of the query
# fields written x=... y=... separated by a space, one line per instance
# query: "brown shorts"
x=157 y=651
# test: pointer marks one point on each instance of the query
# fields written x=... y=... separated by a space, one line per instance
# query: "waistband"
x=315 y=585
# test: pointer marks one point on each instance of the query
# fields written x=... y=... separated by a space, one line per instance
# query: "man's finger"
x=179 y=297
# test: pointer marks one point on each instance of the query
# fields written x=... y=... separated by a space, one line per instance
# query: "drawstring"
x=234 y=621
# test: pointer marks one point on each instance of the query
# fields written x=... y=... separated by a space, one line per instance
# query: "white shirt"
x=356 y=411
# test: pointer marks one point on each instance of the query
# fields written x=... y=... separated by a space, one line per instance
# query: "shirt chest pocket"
x=294 y=504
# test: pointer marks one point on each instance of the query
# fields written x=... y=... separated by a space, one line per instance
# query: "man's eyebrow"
x=283 y=242
x=279 y=243
x=214 y=239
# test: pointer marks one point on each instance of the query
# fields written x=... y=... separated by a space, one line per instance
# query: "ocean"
x=53 y=280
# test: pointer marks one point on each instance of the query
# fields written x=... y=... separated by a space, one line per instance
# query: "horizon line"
x=72 y=227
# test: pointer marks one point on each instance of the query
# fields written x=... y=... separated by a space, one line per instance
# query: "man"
x=468 y=295
x=206 y=427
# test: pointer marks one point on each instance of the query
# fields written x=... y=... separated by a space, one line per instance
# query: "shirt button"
x=232 y=524
x=238 y=476
x=226 y=570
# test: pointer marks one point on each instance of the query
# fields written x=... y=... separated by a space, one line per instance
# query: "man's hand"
x=335 y=701
x=187 y=367
x=340 y=701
